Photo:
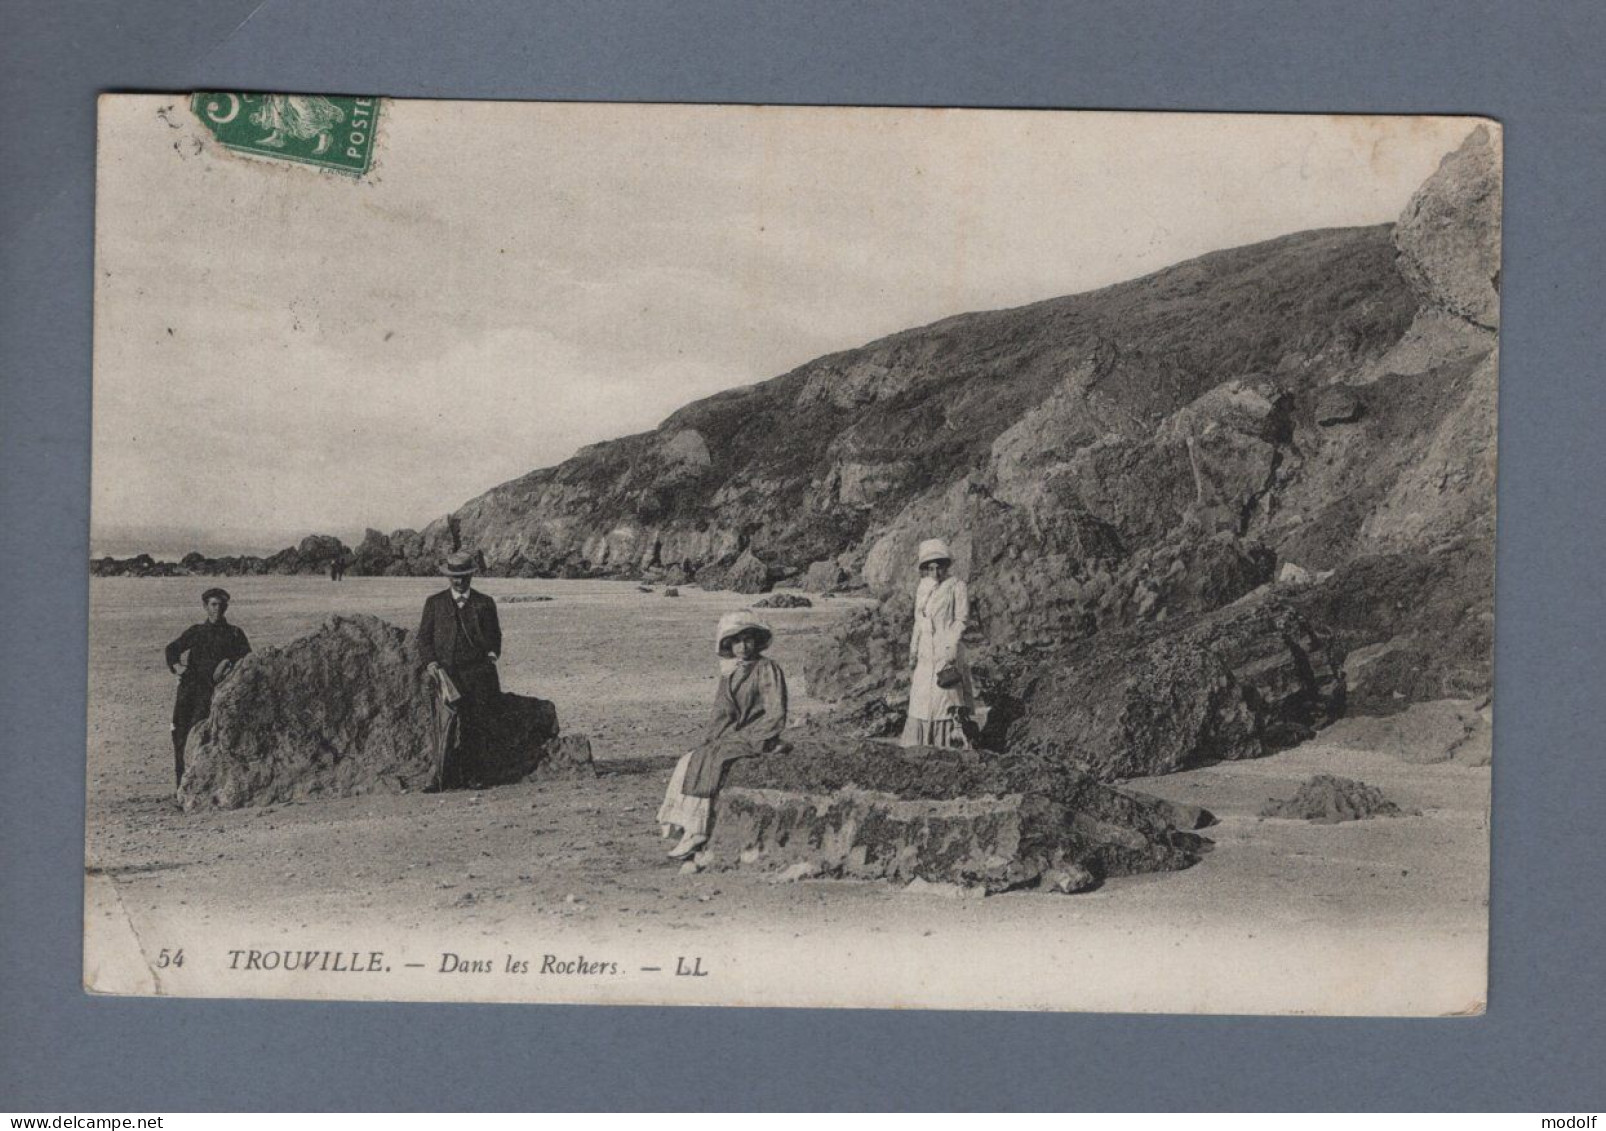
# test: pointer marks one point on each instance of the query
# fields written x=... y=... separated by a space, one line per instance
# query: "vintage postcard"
x=791 y=556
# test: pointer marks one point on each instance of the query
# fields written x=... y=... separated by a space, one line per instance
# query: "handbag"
x=948 y=676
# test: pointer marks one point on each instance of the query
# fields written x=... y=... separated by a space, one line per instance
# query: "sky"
x=281 y=351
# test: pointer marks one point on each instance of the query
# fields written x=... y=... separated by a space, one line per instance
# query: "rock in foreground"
x=872 y=810
x=347 y=710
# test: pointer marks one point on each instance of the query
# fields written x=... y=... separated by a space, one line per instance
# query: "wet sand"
x=1381 y=916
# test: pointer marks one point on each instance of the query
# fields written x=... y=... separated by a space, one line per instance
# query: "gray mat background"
x=1536 y=66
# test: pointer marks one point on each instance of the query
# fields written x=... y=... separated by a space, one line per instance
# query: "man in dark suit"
x=461 y=637
x=201 y=658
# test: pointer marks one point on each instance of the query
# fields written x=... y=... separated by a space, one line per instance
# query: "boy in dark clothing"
x=201 y=656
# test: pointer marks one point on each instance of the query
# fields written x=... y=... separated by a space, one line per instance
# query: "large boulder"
x=873 y=810
x=1449 y=235
x=1254 y=676
x=347 y=710
x=1121 y=712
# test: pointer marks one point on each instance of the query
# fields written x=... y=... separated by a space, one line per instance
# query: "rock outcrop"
x=877 y=811
x=347 y=710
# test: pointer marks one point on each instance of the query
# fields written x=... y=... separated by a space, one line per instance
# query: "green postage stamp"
x=313 y=129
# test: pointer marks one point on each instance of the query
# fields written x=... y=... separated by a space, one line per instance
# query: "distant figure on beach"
x=749 y=715
x=941 y=702
x=202 y=657
x=460 y=642
x=337 y=569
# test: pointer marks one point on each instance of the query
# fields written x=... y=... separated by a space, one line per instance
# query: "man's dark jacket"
x=459 y=639
x=208 y=645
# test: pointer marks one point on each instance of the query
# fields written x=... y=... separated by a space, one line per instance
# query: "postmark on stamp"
x=331 y=132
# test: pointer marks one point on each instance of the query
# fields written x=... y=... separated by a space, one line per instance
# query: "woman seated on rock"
x=941 y=704
x=749 y=715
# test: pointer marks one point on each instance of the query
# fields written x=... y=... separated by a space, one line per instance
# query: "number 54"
x=170 y=958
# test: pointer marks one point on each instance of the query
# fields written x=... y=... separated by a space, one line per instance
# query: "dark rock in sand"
x=1327 y=800
x=783 y=601
x=873 y=810
x=347 y=710
x=671 y=592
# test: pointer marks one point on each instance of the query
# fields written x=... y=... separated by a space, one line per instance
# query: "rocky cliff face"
x=1202 y=396
x=1050 y=408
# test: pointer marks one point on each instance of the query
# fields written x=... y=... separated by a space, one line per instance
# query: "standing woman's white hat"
x=934 y=550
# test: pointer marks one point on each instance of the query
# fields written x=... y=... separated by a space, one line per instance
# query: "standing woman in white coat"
x=940 y=698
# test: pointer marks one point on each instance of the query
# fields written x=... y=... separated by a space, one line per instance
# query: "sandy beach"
x=1381 y=916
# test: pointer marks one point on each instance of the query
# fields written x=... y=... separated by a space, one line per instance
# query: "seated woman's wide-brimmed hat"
x=935 y=550
x=459 y=563
x=734 y=624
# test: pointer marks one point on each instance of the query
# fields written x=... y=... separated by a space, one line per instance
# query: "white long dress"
x=941 y=610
